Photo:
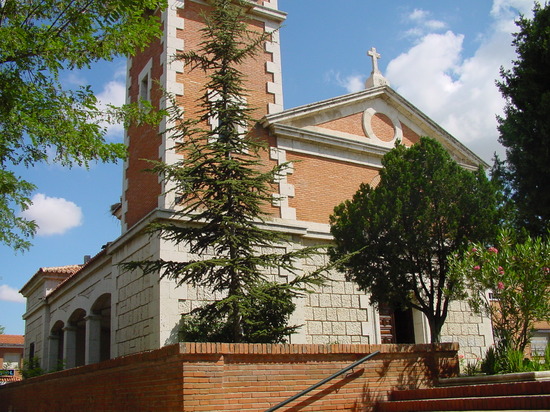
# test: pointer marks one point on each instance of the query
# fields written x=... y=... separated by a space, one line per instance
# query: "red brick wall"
x=409 y=136
x=382 y=127
x=143 y=142
x=234 y=377
x=320 y=184
x=352 y=124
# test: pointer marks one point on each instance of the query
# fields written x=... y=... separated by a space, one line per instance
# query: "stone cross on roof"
x=376 y=78
x=375 y=56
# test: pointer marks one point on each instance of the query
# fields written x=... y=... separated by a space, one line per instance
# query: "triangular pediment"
x=370 y=121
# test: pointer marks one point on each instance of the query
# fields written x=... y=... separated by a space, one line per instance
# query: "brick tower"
x=152 y=70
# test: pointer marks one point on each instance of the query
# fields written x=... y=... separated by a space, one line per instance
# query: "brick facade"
x=235 y=377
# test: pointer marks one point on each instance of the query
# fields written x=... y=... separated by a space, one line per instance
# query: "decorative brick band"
x=307 y=349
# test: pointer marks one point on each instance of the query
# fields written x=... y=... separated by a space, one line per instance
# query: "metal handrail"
x=347 y=368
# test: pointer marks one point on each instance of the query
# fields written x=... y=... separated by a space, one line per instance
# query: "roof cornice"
x=307 y=109
x=328 y=140
x=400 y=103
x=257 y=10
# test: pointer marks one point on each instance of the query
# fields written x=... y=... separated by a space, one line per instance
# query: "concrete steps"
x=499 y=396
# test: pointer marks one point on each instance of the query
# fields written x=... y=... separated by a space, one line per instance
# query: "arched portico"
x=55 y=346
x=75 y=339
x=98 y=328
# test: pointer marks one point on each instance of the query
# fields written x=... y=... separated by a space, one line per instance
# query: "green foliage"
x=517 y=274
x=501 y=359
x=490 y=363
x=394 y=240
x=472 y=368
x=222 y=189
x=42 y=121
x=525 y=127
x=266 y=311
x=1 y=330
x=31 y=368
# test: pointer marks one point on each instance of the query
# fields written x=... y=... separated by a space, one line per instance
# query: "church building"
x=83 y=314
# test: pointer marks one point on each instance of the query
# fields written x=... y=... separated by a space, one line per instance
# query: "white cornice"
x=257 y=10
x=268 y=13
x=308 y=109
x=315 y=142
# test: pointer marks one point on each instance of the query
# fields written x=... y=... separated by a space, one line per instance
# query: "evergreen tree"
x=222 y=189
x=525 y=127
x=395 y=240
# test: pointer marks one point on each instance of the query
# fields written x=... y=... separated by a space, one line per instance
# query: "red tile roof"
x=12 y=340
x=7 y=379
x=70 y=269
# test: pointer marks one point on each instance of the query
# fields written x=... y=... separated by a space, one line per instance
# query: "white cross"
x=375 y=56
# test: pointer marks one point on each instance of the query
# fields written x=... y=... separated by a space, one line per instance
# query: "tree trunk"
x=436 y=324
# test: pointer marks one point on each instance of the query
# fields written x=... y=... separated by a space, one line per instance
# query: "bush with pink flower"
x=509 y=282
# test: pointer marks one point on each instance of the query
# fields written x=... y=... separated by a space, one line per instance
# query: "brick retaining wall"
x=234 y=377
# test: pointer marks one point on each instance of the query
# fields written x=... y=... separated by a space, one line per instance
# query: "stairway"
x=534 y=395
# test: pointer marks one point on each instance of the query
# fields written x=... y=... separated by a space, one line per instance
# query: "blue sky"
x=441 y=55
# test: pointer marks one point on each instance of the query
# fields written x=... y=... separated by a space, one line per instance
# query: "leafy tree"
x=395 y=240
x=517 y=276
x=508 y=211
x=525 y=127
x=42 y=121
x=223 y=189
x=1 y=330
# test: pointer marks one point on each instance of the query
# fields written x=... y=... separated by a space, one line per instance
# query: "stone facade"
x=83 y=314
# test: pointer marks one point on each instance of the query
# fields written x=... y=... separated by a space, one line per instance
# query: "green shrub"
x=31 y=368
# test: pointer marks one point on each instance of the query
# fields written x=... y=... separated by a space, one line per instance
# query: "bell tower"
x=153 y=71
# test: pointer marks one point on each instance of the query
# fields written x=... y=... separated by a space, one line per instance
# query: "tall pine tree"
x=222 y=189
x=525 y=127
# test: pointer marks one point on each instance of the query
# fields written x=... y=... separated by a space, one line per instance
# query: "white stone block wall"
x=34 y=334
x=335 y=313
x=136 y=315
x=473 y=332
x=35 y=298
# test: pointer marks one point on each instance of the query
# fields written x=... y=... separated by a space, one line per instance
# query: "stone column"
x=53 y=352
x=93 y=335
x=69 y=346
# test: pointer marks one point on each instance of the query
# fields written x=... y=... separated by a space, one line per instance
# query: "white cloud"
x=352 y=83
x=423 y=23
x=508 y=9
x=114 y=93
x=435 y=25
x=9 y=294
x=53 y=215
x=457 y=92
x=75 y=78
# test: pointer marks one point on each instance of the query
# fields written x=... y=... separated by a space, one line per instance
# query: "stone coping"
x=487 y=379
x=187 y=348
